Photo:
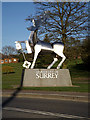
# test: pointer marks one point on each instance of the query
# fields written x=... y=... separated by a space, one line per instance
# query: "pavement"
x=70 y=96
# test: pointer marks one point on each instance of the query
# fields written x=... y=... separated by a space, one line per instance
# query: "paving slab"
x=73 y=96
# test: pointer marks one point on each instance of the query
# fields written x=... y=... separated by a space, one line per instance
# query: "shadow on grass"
x=15 y=92
x=8 y=73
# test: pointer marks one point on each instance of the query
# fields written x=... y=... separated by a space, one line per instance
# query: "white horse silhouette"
x=56 y=47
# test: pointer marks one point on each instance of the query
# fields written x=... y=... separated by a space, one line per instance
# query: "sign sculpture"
x=56 y=47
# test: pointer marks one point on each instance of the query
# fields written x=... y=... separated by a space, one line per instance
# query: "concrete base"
x=46 y=78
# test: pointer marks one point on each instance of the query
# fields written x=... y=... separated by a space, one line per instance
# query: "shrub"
x=85 y=55
x=7 y=69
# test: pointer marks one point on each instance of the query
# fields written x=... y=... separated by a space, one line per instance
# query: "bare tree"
x=65 y=20
x=8 y=50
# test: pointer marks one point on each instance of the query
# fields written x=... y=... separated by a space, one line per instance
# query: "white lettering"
x=46 y=74
x=56 y=74
x=37 y=75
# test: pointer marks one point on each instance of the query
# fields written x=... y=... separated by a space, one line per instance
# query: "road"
x=44 y=108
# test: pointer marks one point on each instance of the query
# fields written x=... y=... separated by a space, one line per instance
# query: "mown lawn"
x=12 y=80
x=78 y=73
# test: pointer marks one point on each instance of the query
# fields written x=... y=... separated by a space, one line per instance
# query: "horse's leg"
x=63 y=59
x=55 y=60
x=37 y=50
